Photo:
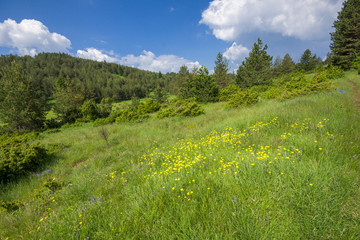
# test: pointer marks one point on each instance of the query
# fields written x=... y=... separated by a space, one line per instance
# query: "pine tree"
x=69 y=98
x=308 y=61
x=201 y=86
x=346 y=38
x=256 y=69
x=22 y=106
x=220 y=71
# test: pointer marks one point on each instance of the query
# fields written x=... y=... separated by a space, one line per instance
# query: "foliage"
x=19 y=156
x=242 y=98
x=308 y=61
x=220 y=71
x=291 y=85
x=90 y=111
x=284 y=66
x=22 y=106
x=99 y=79
x=105 y=107
x=346 y=39
x=202 y=87
x=159 y=95
x=226 y=93
x=256 y=69
x=69 y=97
x=130 y=114
x=165 y=112
x=149 y=106
x=188 y=108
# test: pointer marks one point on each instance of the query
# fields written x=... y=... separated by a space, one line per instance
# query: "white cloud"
x=305 y=19
x=236 y=52
x=97 y=55
x=146 y=61
x=163 y=63
x=30 y=37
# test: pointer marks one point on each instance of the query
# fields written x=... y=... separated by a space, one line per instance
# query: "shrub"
x=226 y=93
x=165 y=112
x=149 y=106
x=243 y=98
x=89 y=110
x=188 y=108
x=18 y=156
x=105 y=107
x=130 y=114
x=103 y=121
x=333 y=72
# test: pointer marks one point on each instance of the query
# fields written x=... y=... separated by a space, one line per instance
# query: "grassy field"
x=276 y=170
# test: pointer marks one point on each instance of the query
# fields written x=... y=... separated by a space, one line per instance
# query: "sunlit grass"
x=277 y=170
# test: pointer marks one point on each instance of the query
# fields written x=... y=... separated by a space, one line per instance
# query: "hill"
x=100 y=79
x=275 y=170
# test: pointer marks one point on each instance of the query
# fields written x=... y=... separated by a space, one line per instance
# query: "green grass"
x=277 y=170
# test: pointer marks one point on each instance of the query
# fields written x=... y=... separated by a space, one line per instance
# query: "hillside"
x=276 y=170
x=100 y=79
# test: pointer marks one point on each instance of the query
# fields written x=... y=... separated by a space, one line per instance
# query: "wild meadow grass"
x=277 y=170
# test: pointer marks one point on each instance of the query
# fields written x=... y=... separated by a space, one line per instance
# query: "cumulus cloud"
x=30 y=37
x=306 y=19
x=163 y=63
x=236 y=52
x=146 y=61
x=95 y=54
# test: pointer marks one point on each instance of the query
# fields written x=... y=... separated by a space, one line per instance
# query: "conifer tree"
x=220 y=71
x=346 y=38
x=201 y=86
x=22 y=106
x=256 y=69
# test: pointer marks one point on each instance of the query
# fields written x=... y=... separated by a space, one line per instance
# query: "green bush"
x=165 y=112
x=130 y=114
x=189 y=109
x=333 y=72
x=103 y=121
x=105 y=107
x=149 y=106
x=18 y=156
x=243 y=98
x=89 y=110
x=226 y=93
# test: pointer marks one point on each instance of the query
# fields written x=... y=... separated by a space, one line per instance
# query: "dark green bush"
x=243 y=98
x=11 y=205
x=18 y=156
x=105 y=107
x=89 y=110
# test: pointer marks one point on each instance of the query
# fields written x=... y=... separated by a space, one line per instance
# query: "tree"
x=69 y=98
x=220 y=71
x=286 y=65
x=346 y=38
x=181 y=78
x=22 y=106
x=256 y=69
x=308 y=61
x=201 y=86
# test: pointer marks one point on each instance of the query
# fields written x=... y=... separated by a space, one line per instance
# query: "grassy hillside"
x=277 y=170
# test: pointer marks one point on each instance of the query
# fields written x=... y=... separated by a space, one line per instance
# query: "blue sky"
x=162 y=35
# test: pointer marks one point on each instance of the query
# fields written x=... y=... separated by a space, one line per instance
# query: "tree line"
x=84 y=85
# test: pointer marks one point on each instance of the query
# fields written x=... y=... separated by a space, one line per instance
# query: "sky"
x=163 y=35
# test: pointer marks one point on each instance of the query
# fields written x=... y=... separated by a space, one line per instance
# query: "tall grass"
x=277 y=170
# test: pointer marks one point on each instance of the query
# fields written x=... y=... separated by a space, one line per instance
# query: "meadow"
x=276 y=170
